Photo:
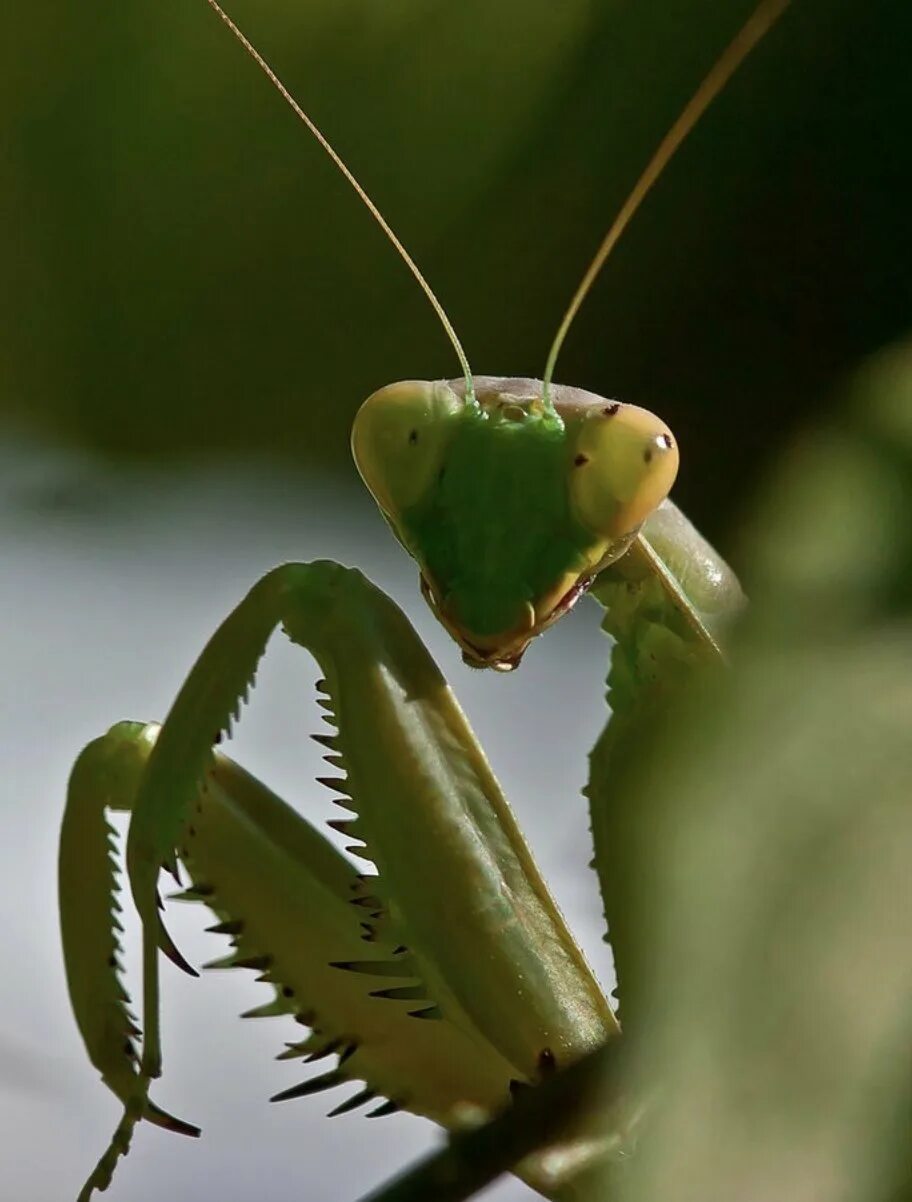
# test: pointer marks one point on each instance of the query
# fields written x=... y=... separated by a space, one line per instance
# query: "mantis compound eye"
x=623 y=464
x=399 y=438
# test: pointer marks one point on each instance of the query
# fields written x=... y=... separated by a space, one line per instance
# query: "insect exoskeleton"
x=511 y=500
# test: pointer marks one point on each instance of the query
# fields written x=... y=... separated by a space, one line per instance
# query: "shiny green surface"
x=496 y=530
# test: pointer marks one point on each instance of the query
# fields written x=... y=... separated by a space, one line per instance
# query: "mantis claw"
x=161 y=1118
x=170 y=949
x=311 y=1086
x=361 y=1098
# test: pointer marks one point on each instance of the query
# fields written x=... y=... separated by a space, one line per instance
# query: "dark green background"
x=183 y=270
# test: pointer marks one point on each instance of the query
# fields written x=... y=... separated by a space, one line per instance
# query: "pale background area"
x=111 y=582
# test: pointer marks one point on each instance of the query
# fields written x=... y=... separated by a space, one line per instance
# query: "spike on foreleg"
x=361 y=1098
x=232 y=927
x=278 y=1006
x=222 y=962
x=161 y=1118
x=197 y=892
x=298 y=1051
x=243 y=699
x=310 y=1055
x=170 y=865
x=377 y=968
x=328 y=1049
x=168 y=946
x=430 y=1012
x=338 y=784
x=313 y=1085
x=406 y=993
x=257 y=963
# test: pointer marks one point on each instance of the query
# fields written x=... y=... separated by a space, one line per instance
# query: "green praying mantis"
x=445 y=978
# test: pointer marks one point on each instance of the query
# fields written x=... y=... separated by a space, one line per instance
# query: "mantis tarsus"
x=448 y=978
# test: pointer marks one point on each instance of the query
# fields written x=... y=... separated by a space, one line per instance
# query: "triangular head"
x=509 y=505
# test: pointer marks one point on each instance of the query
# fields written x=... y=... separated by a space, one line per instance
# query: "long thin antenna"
x=366 y=200
x=761 y=21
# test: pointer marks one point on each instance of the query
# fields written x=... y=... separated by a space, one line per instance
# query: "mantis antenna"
x=366 y=200
x=760 y=22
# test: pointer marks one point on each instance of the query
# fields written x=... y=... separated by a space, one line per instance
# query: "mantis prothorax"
x=449 y=976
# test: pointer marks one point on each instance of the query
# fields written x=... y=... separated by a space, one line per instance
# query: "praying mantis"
x=444 y=978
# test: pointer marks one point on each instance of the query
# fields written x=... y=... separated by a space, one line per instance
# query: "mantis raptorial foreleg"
x=668 y=603
x=459 y=925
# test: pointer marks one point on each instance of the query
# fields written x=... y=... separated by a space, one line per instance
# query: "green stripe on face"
x=494 y=531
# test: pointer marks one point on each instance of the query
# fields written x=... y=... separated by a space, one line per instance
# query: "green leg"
x=294 y=907
x=105 y=776
x=669 y=603
x=462 y=927
x=428 y=808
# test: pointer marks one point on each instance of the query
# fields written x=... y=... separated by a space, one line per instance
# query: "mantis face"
x=510 y=506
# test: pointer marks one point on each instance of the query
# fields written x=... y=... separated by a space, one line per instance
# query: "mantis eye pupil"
x=580 y=460
x=663 y=442
x=413 y=437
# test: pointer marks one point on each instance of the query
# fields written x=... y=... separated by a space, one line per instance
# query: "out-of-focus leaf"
x=771 y=838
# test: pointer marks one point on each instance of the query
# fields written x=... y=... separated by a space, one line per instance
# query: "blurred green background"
x=184 y=271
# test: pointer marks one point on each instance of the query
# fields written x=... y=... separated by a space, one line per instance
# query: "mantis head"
x=510 y=504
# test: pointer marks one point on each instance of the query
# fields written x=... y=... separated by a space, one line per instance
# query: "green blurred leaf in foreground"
x=771 y=839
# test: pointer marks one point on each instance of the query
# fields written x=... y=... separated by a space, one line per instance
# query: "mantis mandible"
x=515 y=497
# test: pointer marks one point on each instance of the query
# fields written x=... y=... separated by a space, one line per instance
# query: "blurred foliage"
x=762 y=853
x=772 y=835
x=184 y=270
